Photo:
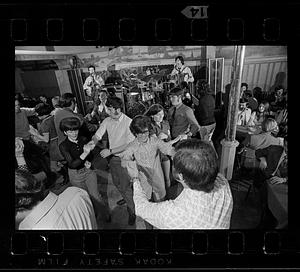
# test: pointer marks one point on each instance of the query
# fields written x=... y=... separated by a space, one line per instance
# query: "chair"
x=241 y=183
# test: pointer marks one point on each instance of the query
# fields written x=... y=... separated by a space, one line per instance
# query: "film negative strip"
x=51 y=25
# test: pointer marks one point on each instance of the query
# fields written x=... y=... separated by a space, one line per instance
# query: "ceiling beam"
x=40 y=57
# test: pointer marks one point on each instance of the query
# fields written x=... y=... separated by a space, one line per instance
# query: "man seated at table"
x=205 y=201
x=244 y=113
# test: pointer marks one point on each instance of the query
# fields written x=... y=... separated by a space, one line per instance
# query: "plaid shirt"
x=190 y=210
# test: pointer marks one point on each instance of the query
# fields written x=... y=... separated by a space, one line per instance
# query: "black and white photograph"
x=151 y=137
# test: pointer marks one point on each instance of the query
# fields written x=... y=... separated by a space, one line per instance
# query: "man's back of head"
x=196 y=161
x=67 y=100
x=28 y=189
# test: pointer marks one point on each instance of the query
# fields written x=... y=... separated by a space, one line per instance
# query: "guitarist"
x=181 y=72
x=92 y=85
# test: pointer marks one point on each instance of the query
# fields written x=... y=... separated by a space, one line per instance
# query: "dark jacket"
x=184 y=119
x=205 y=111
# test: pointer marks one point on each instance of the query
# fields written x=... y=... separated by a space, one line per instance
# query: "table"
x=278 y=203
x=248 y=130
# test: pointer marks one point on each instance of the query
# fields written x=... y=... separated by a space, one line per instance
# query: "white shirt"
x=185 y=71
x=98 y=80
x=70 y=210
x=190 y=210
x=243 y=117
x=118 y=131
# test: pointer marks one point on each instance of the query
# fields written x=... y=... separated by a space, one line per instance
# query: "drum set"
x=154 y=88
x=141 y=91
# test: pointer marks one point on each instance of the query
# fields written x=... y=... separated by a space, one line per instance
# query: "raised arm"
x=161 y=215
x=100 y=132
x=166 y=147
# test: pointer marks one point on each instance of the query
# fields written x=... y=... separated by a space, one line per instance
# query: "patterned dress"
x=148 y=162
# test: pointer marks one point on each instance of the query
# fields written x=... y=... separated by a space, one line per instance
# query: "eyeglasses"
x=144 y=132
x=110 y=109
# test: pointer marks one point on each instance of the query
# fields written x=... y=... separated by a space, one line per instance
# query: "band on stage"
x=140 y=91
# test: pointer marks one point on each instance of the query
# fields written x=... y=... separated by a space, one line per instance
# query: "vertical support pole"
x=229 y=144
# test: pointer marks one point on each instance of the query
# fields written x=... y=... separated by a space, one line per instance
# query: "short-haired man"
x=205 y=201
x=119 y=136
x=37 y=208
x=93 y=80
x=244 y=113
x=91 y=87
x=181 y=117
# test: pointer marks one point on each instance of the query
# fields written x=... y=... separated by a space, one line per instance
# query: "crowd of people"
x=164 y=163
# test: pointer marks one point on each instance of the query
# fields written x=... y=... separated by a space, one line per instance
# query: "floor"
x=247 y=205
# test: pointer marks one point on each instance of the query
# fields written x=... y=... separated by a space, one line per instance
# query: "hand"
x=33 y=131
x=131 y=168
x=88 y=147
x=179 y=138
x=105 y=153
x=91 y=144
x=162 y=136
x=87 y=164
x=89 y=117
x=263 y=163
x=276 y=180
x=182 y=137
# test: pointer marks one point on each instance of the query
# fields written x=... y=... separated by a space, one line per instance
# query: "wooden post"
x=234 y=96
x=229 y=144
